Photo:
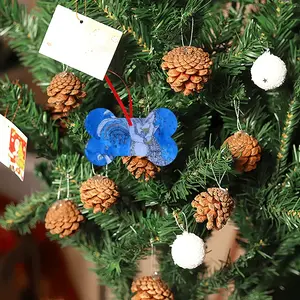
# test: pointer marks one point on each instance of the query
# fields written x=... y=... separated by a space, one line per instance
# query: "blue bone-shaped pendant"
x=112 y=136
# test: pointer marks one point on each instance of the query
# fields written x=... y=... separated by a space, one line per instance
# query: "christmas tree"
x=238 y=150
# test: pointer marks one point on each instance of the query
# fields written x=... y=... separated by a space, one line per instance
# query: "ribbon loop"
x=128 y=115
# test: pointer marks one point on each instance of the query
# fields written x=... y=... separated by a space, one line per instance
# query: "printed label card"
x=12 y=147
x=81 y=43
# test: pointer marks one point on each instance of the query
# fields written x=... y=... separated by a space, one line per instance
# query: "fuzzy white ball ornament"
x=268 y=71
x=188 y=250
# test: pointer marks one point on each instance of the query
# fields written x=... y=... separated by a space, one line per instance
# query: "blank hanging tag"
x=12 y=147
x=80 y=42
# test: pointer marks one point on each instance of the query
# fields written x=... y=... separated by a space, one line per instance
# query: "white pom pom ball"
x=268 y=71
x=188 y=251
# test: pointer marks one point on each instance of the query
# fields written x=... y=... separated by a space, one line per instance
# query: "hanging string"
x=237 y=113
x=85 y=8
x=81 y=172
x=59 y=188
x=222 y=177
x=65 y=68
x=181 y=34
x=218 y=182
x=127 y=115
x=152 y=256
x=68 y=186
x=93 y=170
x=186 y=221
x=6 y=111
x=192 y=32
x=76 y=4
x=175 y=215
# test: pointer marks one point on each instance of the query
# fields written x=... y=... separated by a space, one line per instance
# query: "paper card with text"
x=12 y=147
x=81 y=43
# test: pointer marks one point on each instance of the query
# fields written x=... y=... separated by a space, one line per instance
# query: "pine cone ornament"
x=140 y=165
x=215 y=206
x=151 y=288
x=188 y=69
x=99 y=193
x=65 y=92
x=245 y=151
x=63 y=218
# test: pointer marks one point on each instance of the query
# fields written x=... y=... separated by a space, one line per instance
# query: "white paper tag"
x=88 y=46
x=12 y=147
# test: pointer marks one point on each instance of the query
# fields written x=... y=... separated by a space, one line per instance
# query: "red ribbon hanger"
x=128 y=115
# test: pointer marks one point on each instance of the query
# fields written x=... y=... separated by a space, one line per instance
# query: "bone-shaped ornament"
x=112 y=136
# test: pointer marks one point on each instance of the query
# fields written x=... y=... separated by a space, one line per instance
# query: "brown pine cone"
x=215 y=206
x=151 y=288
x=99 y=193
x=63 y=218
x=65 y=92
x=245 y=151
x=188 y=69
x=140 y=165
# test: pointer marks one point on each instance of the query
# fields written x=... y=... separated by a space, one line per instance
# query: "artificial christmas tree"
x=266 y=200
